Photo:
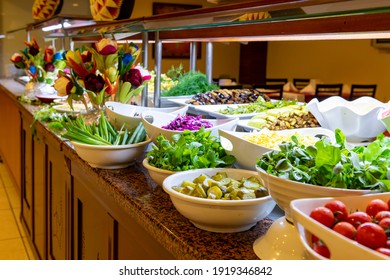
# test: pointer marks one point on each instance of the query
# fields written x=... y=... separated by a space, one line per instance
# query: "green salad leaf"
x=189 y=150
x=332 y=164
x=190 y=83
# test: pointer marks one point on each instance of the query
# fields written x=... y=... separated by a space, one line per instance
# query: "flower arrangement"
x=102 y=71
x=40 y=65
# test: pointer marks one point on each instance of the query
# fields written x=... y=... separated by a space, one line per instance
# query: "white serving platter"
x=214 y=110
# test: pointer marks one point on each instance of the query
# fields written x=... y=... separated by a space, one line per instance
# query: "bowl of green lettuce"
x=325 y=169
x=188 y=150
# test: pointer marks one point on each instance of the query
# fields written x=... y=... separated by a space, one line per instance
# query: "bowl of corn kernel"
x=247 y=147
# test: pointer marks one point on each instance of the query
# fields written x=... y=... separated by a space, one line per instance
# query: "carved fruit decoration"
x=45 y=9
x=108 y=10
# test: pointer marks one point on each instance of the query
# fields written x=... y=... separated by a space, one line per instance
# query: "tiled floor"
x=13 y=241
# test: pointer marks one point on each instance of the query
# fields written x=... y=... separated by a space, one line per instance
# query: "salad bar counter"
x=74 y=211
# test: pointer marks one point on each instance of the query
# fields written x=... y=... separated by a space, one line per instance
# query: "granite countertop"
x=146 y=202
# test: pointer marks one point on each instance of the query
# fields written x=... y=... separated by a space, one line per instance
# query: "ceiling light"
x=56 y=26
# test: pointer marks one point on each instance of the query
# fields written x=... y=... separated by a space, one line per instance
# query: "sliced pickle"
x=220 y=186
x=214 y=193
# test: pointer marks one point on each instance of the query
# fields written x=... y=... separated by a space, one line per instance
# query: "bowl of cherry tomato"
x=344 y=228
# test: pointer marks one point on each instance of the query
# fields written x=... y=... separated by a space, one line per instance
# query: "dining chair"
x=359 y=90
x=324 y=91
x=273 y=91
x=273 y=81
x=300 y=83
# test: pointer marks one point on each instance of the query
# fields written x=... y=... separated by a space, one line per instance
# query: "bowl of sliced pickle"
x=220 y=199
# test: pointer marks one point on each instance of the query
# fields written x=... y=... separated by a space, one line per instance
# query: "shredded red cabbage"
x=181 y=123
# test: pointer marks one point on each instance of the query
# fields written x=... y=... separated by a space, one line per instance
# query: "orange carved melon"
x=108 y=10
x=45 y=9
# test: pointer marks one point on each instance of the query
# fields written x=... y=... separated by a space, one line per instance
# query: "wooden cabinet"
x=39 y=195
x=27 y=186
x=92 y=225
x=102 y=230
x=33 y=184
x=58 y=198
x=10 y=135
x=44 y=191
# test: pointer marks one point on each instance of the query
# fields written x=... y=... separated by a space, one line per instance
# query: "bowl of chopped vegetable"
x=247 y=147
x=185 y=151
x=130 y=115
x=166 y=124
x=219 y=199
x=101 y=145
x=111 y=156
x=325 y=170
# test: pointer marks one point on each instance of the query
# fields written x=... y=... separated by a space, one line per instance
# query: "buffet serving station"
x=71 y=210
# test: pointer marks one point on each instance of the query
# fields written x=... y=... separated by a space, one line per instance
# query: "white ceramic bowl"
x=119 y=113
x=357 y=119
x=157 y=174
x=247 y=153
x=284 y=191
x=153 y=122
x=218 y=215
x=110 y=157
x=384 y=118
x=340 y=247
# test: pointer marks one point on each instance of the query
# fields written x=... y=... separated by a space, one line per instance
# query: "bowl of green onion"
x=101 y=145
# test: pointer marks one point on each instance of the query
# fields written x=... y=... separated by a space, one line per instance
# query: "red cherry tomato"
x=321 y=249
x=357 y=218
x=338 y=208
x=388 y=203
x=375 y=206
x=382 y=214
x=385 y=251
x=385 y=223
x=314 y=239
x=387 y=244
x=371 y=235
x=323 y=215
x=346 y=229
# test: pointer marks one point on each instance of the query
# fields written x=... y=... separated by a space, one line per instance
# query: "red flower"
x=86 y=56
x=33 y=47
x=94 y=82
x=49 y=67
x=18 y=60
x=106 y=46
x=48 y=54
x=134 y=77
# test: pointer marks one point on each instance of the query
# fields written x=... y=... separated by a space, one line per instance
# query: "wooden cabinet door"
x=58 y=196
x=135 y=243
x=92 y=226
x=27 y=151
x=39 y=234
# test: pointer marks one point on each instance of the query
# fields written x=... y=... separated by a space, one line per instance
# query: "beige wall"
x=332 y=61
